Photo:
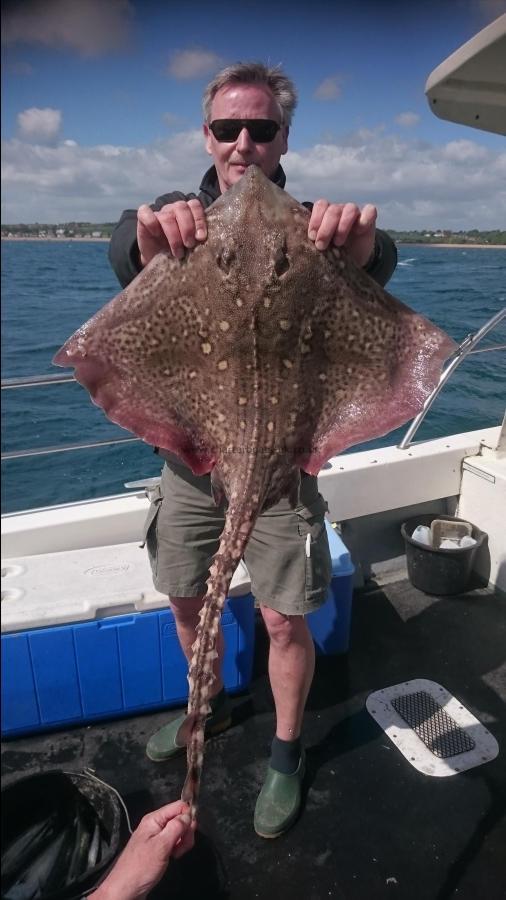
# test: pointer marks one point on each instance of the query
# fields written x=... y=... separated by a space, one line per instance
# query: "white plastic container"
x=422 y=534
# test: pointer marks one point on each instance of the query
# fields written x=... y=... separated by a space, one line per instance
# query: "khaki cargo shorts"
x=287 y=556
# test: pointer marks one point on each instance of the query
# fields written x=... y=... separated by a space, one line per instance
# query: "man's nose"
x=244 y=141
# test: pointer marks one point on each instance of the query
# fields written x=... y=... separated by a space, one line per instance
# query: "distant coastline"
x=94 y=240
x=57 y=240
x=102 y=231
x=457 y=246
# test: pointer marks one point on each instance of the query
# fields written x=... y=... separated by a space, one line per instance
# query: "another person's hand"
x=161 y=835
x=344 y=224
x=174 y=227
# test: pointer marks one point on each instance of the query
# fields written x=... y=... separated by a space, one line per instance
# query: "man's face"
x=244 y=101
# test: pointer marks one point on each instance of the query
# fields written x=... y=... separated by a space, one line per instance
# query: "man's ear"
x=285 y=131
x=207 y=135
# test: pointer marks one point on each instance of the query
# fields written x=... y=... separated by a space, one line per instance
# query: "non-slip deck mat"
x=439 y=732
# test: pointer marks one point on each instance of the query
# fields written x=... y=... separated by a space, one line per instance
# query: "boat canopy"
x=469 y=87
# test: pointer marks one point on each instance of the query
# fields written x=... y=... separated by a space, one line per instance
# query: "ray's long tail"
x=239 y=523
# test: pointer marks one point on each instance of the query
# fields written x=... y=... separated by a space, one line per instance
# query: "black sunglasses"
x=261 y=131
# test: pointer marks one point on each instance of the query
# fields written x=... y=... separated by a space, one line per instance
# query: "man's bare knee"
x=282 y=629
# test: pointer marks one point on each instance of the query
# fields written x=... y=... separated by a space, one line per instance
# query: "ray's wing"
x=377 y=361
x=138 y=355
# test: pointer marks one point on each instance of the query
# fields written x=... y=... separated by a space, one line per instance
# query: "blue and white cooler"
x=86 y=637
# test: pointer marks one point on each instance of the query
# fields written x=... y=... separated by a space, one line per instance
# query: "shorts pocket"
x=149 y=530
x=312 y=518
x=318 y=564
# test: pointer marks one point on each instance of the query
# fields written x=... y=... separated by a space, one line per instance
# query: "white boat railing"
x=465 y=349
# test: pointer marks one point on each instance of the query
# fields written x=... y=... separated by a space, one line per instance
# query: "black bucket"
x=49 y=821
x=439 y=571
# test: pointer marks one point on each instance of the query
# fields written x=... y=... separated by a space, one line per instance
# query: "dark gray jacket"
x=124 y=251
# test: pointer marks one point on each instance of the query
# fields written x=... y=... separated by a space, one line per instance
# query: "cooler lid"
x=82 y=585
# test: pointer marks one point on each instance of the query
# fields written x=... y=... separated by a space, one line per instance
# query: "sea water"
x=49 y=288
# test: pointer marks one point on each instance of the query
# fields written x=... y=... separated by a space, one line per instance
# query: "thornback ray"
x=253 y=357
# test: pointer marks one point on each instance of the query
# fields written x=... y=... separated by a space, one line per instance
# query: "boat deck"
x=372 y=826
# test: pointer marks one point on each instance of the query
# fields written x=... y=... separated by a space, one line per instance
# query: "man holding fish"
x=248 y=110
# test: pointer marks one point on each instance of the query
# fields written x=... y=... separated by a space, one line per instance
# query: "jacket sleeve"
x=384 y=261
x=123 y=248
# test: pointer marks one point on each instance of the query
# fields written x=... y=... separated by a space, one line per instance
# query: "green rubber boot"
x=162 y=744
x=279 y=801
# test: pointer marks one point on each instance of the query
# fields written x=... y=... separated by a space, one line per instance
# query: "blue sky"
x=102 y=105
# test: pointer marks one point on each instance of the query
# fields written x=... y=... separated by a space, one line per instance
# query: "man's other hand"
x=175 y=227
x=344 y=225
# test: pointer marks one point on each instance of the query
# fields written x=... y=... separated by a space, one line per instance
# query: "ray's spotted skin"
x=253 y=357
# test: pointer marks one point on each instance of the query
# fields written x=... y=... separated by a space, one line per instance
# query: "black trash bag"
x=60 y=835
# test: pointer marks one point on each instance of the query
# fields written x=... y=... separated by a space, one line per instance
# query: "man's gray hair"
x=281 y=87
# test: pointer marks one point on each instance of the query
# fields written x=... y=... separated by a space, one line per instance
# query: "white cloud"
x=464 y=151
x=407 y=119
x=71 y=182
x=329 y=88
x=91 y=27
x=414 y=184
x=36 y=124
x=187 y=64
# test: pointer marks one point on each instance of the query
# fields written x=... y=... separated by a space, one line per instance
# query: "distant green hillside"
x=63 y=229
x=104 y=230
x=448 y=237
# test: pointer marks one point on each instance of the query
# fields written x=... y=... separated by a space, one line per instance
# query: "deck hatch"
x=438 y=731
x=431 y=728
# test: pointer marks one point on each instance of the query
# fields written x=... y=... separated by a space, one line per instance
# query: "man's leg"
x=164 y=743
x=182 y=532
x=289 y=562
x=291 y=669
